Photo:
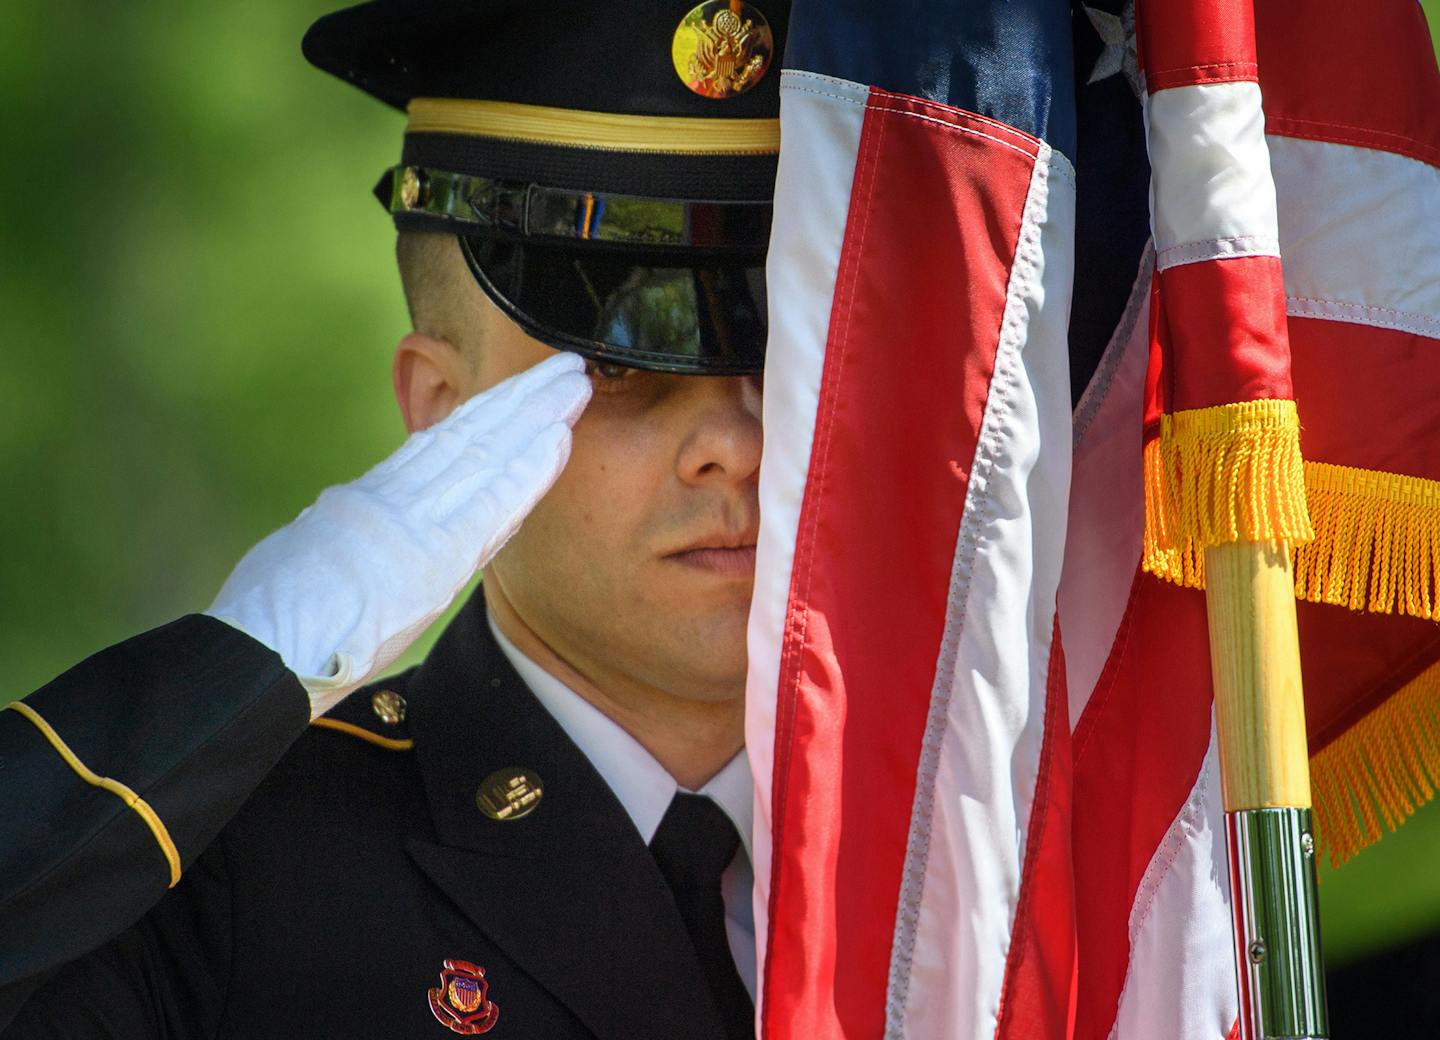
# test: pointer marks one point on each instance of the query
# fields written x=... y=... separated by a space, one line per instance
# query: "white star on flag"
x=1117 y=33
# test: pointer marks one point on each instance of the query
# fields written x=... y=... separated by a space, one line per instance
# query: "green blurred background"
x=197 y=306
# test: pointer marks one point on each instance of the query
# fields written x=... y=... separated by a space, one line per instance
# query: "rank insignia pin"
x=461 y=1002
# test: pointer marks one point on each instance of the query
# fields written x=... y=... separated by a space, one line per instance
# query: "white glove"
x=346 y=587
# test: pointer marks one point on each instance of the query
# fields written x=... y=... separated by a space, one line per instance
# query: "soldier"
x=541 y=830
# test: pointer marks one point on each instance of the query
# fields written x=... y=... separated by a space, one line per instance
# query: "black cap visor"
x=621 y=307
x=670 y=285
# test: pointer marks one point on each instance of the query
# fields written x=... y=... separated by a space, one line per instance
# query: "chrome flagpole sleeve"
x=1277 y=922
x=1265 y=779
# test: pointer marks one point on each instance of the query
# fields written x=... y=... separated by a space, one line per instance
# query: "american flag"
x=961 y=830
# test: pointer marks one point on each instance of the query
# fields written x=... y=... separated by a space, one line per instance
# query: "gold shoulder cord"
x=388 y=743
x=115 y=787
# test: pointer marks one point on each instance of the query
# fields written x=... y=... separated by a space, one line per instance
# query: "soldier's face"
x=638 y=565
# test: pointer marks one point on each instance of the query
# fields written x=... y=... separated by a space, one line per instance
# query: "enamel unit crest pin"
x=461 y=1002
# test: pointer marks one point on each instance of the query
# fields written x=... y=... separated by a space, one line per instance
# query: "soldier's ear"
x=431 y=378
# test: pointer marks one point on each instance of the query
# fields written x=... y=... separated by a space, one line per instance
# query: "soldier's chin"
x=713 y=672
x=714 y=689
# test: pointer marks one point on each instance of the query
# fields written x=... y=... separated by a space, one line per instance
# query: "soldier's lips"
x=729 y=561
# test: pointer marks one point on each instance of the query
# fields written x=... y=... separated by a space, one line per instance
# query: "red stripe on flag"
x=1183 y=43
x=1038 y=999
x=936 y=204
x=1138 y=747
x=1390 y=379
x=1199 y=75
x=1358 y=74
x=1353 y=660
x=1221 y=325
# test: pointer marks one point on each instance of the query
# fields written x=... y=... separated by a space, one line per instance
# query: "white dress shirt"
x=645 y=789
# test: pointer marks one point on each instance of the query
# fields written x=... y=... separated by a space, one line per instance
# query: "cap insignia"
x=722 y=48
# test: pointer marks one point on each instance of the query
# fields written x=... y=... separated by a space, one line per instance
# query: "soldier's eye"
x=608 y=371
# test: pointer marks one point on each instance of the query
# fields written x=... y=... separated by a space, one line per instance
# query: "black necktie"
x=694 y=844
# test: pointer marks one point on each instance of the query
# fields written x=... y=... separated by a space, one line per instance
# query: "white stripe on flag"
x=1107 y=499
x=983 y=736
x=820 y=120
x=1218 y=249
x=1210 y=172
x=1360 y=234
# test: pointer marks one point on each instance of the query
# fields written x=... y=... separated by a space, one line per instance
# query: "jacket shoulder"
x=362 y=742
x=348 y=775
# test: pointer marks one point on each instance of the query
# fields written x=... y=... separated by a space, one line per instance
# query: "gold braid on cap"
x=575 y=128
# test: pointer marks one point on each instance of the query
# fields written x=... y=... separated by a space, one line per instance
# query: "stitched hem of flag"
x=1231 y=473
x=1377 y=541
x=1381 y=770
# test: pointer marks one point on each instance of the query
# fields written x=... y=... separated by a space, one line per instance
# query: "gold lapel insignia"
x=509 y=794
x=722 y=48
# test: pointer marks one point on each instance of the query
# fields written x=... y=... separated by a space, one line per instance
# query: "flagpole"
x=1265 y=781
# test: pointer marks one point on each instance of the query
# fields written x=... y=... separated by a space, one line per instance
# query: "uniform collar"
x=638 y=781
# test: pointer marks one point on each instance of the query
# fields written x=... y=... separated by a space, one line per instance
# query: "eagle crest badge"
x=722 y=48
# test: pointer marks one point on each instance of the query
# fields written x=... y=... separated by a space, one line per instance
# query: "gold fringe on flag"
x=1377 y=541
x=1231 y=473
x=1382 y=769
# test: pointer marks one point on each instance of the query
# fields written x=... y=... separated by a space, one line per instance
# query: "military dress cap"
x=608 y=168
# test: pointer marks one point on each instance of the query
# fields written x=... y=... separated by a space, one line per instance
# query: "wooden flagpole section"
x=1255 y=668
x=1265 y=778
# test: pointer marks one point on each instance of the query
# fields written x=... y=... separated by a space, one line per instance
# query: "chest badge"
x=461 y=1002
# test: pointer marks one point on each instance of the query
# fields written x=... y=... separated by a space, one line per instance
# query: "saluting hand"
x=345 y=588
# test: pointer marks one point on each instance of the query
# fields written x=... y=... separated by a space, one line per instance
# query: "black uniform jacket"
x=330 y=902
